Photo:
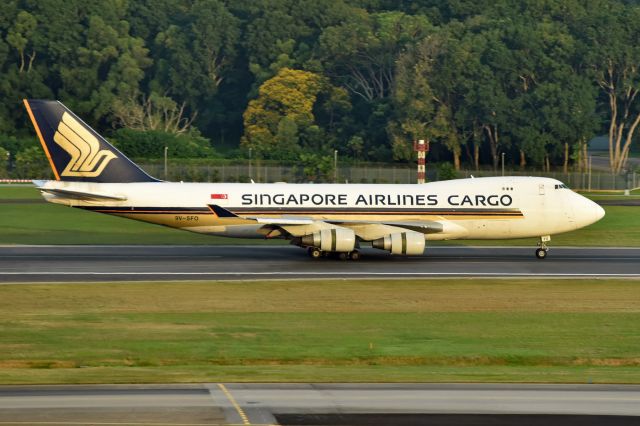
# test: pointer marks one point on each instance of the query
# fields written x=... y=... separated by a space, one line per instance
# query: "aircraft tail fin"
x=75 y=151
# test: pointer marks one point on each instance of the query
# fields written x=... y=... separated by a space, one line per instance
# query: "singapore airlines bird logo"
x=87 y=159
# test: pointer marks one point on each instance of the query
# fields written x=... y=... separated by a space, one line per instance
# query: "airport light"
x=590 y=158
x=335 y=166
x=166 y=149
x=503 y=164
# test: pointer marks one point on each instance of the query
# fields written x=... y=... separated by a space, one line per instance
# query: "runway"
x=372 y=404
x=144 y=263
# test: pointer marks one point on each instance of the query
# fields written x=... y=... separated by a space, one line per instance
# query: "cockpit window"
x=561 y=186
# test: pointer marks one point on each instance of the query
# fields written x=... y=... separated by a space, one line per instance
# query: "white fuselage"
x=482 y=208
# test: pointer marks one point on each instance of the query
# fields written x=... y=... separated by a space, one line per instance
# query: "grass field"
x=439 y=330
x=24 y=219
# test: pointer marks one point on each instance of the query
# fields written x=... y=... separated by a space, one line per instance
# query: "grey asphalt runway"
x=135 y=263
x=262 y=404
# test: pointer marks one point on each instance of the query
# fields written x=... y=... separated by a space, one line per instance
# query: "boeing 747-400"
x=93 y=175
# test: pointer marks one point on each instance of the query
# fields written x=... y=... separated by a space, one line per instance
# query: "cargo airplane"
x=337 y=219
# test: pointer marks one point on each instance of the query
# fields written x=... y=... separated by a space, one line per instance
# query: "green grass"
x=438 y=330
x=56 y=224
x=619 y=228
x=24 y=220
x=19 y=192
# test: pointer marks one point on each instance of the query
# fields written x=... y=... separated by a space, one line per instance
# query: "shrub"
x=446 y=171
x=32 y=164
x=150 y=144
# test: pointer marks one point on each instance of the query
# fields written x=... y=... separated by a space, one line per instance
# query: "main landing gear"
x=316 y=253
x=541 y=252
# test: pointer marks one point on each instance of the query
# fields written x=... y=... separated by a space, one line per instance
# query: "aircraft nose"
x=589 y=212
x=599 y=211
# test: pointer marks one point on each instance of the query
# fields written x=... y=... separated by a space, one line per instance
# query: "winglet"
x=221 y=212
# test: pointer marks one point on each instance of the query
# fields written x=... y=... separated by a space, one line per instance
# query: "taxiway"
x=266 y=404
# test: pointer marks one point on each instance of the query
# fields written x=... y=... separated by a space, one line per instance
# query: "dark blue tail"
x=76 y=151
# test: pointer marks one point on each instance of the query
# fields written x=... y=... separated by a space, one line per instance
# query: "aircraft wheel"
x=343 y=255
x=541 y=253
x=354 y=255
x=315 y=252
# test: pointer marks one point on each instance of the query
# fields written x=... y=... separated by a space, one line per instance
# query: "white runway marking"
x=333 y=274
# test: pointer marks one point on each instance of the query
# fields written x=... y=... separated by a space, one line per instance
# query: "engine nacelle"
x=336 y=239
x=409 y=243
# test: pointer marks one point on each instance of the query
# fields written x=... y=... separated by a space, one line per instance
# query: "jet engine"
x=336 y=240
x=409 y=243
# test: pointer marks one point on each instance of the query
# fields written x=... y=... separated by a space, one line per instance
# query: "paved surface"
x=261 y=404
x=635 y=201
x=101 y=263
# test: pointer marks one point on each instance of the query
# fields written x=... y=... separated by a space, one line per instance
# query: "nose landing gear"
x=541 y=252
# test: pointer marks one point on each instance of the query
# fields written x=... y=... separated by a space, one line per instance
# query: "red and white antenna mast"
x=421 y=147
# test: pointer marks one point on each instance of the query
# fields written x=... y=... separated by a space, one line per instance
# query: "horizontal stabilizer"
x=80 y=195
x=221 y=212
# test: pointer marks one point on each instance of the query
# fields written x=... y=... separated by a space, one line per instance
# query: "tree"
x=413 y=98
x=19 y=37
x=281 y=113
x=108 y=67
x=195 y=53
x=611 y=31
x=362 y=51
x=4 y=163
x=32 y=164
x=285 y=33
x=154 y=112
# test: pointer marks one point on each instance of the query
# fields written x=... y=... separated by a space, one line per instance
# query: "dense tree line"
x=289 y=79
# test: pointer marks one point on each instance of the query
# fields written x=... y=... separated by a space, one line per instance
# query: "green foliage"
x=278 y=119
x=316 y=167
x=15 y=144
x=477 y=78
x=4 y=163
x=355 y=145
x=446 y=171
x=32 y=164
x=151 y=144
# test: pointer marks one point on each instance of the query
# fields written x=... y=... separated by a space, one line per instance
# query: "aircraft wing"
x=425 y=227
x=302 y=226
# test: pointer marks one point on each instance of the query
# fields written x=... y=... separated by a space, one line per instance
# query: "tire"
x=354 y=255
x=541 y=253
x=343 y=255
x=315 y=253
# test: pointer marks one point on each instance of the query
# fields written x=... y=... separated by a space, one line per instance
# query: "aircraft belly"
x=181 y=220
x=233 y=231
